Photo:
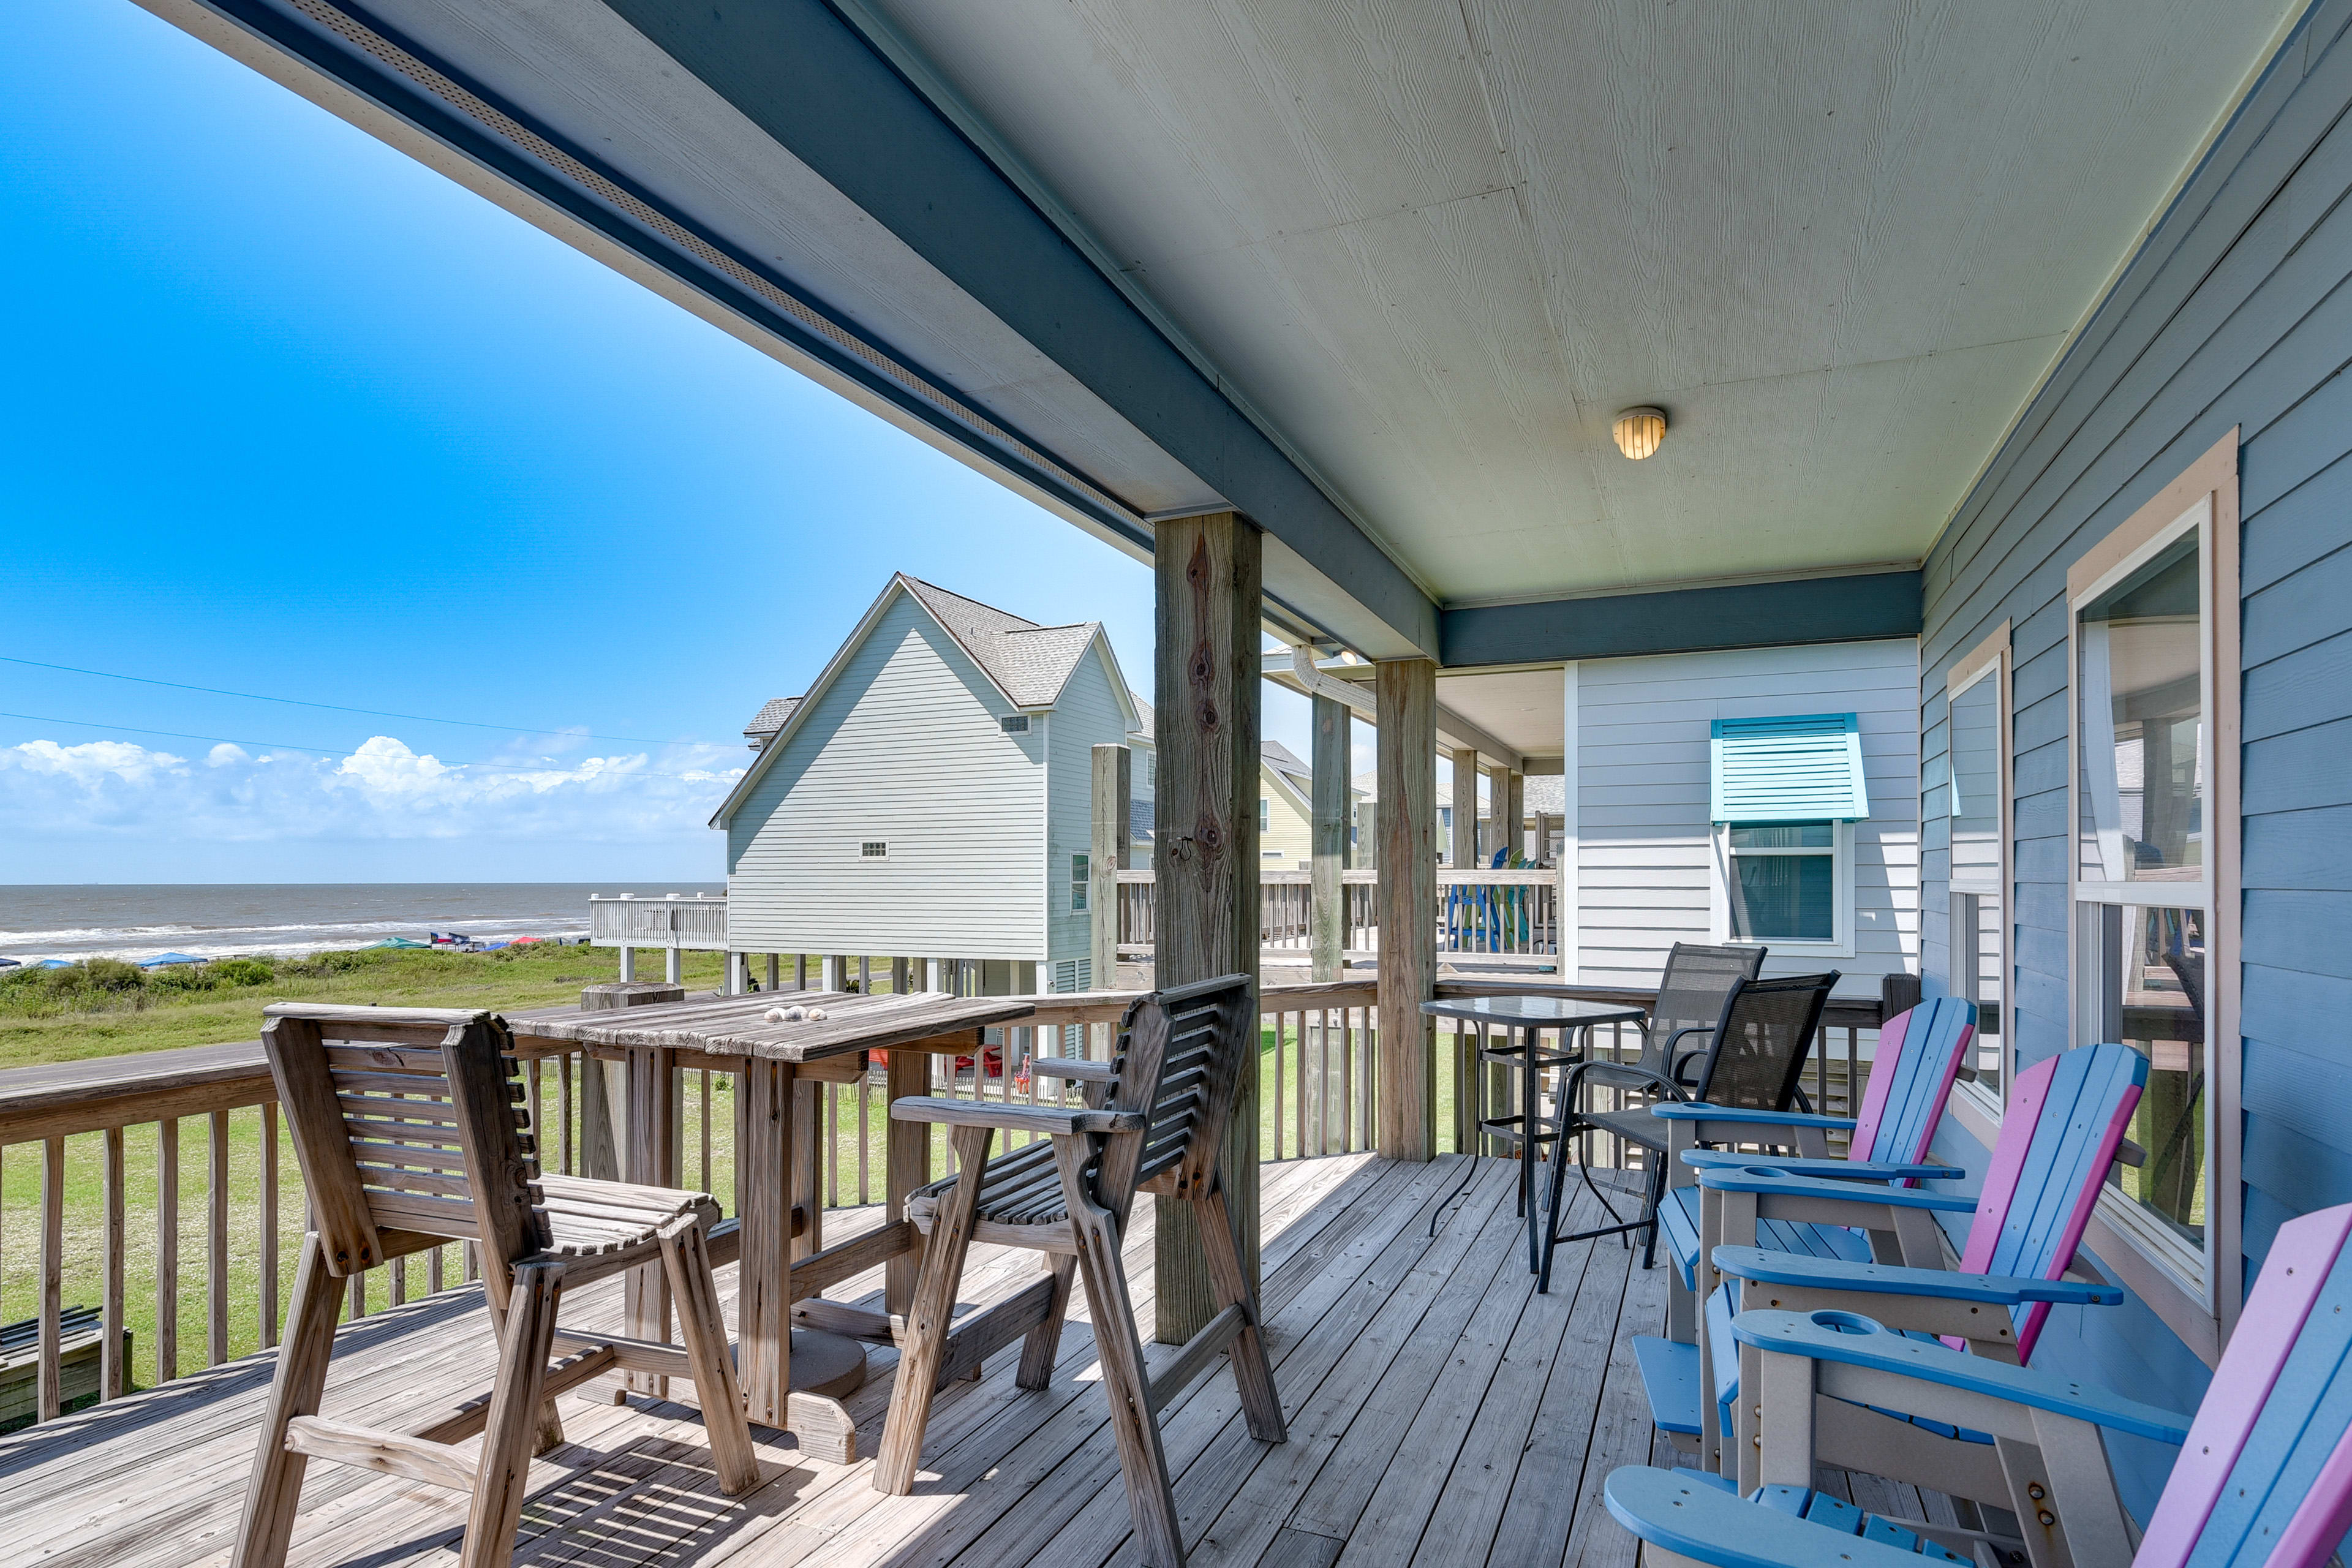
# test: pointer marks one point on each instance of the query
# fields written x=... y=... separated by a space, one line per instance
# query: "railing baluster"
x=864 y=1120
x=51 y=1386
x=266 y=1297
x=216 y=1246
x=706 y=1129
x=1277 y=1084
x=433 y=1271
x=167 y=1249
x=563 y=1092
x=829 y=1108
x=113 y=1378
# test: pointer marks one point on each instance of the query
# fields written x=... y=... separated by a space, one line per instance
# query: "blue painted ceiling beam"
x=1684 y=620
x=800 y=73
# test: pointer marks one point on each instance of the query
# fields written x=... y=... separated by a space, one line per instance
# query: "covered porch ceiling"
x=1378 y=275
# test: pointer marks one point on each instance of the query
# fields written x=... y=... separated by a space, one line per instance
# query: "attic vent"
x=1015 y=724
x=874 y=849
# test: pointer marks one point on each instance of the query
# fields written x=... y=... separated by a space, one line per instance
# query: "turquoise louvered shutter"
x=1797 y=769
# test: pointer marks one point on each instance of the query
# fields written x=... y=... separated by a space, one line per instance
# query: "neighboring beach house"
x=931 y=793
x=1286 y=801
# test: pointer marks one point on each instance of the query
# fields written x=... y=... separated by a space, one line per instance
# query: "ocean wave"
x=275 y=940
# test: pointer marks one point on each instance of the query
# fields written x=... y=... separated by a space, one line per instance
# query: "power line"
x=329 y=707
x=321 y=751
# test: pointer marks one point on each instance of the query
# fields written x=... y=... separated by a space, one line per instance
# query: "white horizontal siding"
x=1088 y=716
x=1644 y=866
x=905 y=746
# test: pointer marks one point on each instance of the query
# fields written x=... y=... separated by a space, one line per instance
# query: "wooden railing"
x=1511 y=916
x=697 y=924
x=109 y=1147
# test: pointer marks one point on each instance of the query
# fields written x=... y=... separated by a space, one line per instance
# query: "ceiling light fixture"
x=1639 y=431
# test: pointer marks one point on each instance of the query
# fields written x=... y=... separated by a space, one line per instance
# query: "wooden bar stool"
x=1152 y=1122
x=409 y=1128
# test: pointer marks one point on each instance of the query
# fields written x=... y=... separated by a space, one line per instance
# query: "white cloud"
x=384 y=790
x=91 y=761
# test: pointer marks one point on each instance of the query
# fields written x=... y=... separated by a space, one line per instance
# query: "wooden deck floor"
x=1441 y=1413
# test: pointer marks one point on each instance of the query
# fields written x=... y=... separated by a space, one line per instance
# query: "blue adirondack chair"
x=1920 y=1053
x=2263 y=1480
x=2058 y=1134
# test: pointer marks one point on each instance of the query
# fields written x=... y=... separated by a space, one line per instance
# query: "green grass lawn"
x=38 y=1026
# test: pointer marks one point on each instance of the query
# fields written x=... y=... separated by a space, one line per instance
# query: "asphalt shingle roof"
x=1031 y=662
x=770 y=718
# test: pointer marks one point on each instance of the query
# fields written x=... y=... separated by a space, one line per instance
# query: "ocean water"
x=219 y=920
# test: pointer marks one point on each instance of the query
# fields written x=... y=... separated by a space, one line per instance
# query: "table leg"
x=650 y=1159
x=808 y=1165
x=1530 y=1081
x=763 y=1278
x=907 y=1166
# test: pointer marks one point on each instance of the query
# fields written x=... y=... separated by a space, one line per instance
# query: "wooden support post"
x=1333 y=755
x=835 y=973
x=935 y=978
x=1406 y=1093
x=628 y=964
x=1114 y=780
x=776 y=976
x=1515 y=820
x=1205 y=849
x=1461 y=851
x=1498 y=830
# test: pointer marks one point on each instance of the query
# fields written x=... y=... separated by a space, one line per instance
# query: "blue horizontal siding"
x=2297 y=528
x=2300 y=770
x=2236 y=311
x=2297 y=928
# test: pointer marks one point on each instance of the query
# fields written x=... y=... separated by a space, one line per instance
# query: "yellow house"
x=1285 y=802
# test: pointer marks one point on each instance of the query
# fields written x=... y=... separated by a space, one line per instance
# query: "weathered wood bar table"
x=778 y=1239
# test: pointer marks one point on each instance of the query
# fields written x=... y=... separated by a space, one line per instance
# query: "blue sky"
x=286 y=412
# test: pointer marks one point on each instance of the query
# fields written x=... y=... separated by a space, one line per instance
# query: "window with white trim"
x=1976 y=812
x=1080 y=876
x=1784 y=794
x=2143 y=895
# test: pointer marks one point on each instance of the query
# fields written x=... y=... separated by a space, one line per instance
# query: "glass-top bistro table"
x=1528 y=1016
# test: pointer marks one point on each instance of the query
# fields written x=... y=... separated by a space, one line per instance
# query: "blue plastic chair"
x=2060 y=1133
x=2263 y=1480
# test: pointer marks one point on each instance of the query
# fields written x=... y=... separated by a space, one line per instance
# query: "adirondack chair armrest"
x=1074 y=1069
x=1700 y=1110
x=1852 y=1340
x=1044 y=1119
x=1764 y=1266
x=1762 y=1178
x=1827 y=1169
x=1691 y=1515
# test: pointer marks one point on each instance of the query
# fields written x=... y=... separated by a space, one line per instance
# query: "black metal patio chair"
x=1691 y=994
x=1752 y=1057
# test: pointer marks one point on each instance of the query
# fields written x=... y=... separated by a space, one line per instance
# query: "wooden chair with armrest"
x=1153 y=1121
x=409 y=1129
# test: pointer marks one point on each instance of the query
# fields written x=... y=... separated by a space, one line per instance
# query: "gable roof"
x=1028 y=664
x=770 y=718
